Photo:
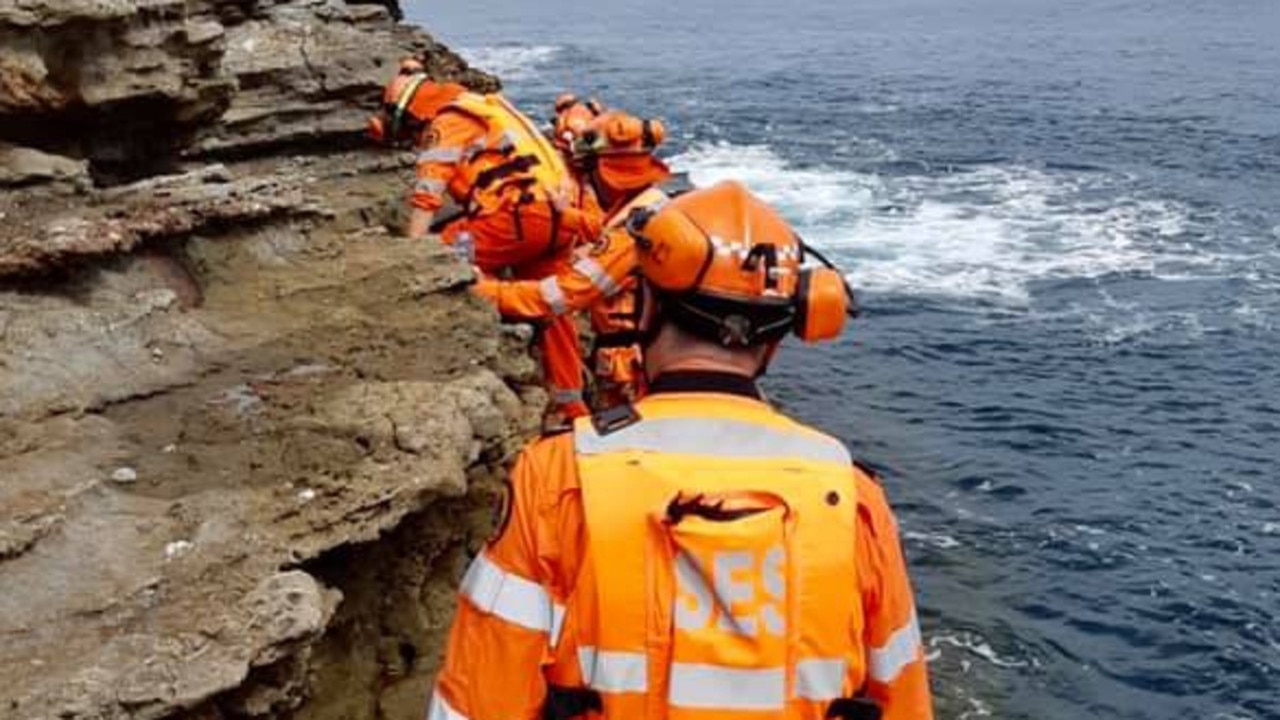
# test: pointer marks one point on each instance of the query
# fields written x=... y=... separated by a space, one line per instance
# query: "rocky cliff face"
x=247 y=435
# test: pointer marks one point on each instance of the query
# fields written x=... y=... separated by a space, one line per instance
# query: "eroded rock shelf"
x=248 y=435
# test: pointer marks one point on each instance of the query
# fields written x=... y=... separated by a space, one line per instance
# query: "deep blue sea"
x=1064 y=218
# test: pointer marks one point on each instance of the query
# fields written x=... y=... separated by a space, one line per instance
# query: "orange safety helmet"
x=729 y=268
x=617 y=132
x=409 y=103
x=573 y=117
x=619 y=148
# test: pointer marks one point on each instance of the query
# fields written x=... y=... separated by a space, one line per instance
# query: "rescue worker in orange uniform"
x=697 y=555
x=498 y=192
x=614 y=155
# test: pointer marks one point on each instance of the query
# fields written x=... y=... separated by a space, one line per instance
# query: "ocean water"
x=1064 y=219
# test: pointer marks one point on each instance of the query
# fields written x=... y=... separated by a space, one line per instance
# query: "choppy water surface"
x=1065 y=218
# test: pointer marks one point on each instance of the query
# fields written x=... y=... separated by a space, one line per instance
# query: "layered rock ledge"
x=248 y=435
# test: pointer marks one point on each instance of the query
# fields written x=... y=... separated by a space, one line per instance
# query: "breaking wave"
x=511 y=62
x=980 y=231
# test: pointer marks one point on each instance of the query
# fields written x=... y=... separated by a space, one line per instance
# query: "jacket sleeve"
x=509 y=616
x=440 y=150
x=598 y=271
x=897 y=676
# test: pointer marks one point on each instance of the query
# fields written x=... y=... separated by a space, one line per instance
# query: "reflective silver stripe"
x=471 y=151
x=435 y=187
x=553 y=295
x=594 y=272
x=507 y=141
x=440 y=155
x=614 y=672
x=821 y=679
x=564 y=396
x=440 y=709
x=902 y=649
x=508 y=596
x=557 y=623
x=719 y=437
x=719 y=688
x=621 y=672
x=465 y=246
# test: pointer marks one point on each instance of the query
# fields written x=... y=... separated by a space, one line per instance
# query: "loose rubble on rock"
x=248 y=436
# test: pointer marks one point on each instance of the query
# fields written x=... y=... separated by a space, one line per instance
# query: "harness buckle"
x=611 y=420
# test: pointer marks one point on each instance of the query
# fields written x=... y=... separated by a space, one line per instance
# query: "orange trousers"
x=526 y=250
x=517 y=237
x=559 y=345
x=562 y=366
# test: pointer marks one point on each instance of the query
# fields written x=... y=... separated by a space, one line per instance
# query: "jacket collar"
x=705 y=381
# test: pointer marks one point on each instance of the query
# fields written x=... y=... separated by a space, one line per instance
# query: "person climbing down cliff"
x=697 y=555
x=614 y=155
x=513 y=198
x=497 y=191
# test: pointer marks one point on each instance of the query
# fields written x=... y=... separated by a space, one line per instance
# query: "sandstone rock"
x=285 y=608
x=133 y=86
x=24 y=166
x=47 y=235
x=311 y=369
x=301 y=391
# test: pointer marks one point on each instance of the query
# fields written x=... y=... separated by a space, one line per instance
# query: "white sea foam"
x=987 y=232
x=975 y=708
x=937 y=540
x=978 y=646
x=511 y=62
x=813 y=198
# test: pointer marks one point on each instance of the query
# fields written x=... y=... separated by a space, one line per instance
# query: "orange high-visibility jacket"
x=714 y=560
x=489 y=157
x=601 y=278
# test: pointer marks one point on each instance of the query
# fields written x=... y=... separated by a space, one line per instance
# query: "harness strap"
x=515 y=214
x=522 y=164
x=554 y=245
x=619 y=339
x=442 y=221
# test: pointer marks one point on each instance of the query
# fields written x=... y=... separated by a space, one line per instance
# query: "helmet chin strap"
x=659 y=316
x=601 y=190
x=402 y=103
x=769 y=352
x=647 y=335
